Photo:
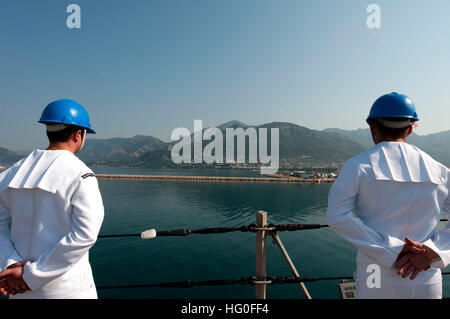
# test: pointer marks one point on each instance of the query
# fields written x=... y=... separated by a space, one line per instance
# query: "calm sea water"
x=132 y=206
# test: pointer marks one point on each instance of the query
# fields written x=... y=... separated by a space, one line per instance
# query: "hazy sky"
x=150 y=66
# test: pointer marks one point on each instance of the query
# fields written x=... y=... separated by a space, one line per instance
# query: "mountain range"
x=299 y=147
x=8 y=157
x=437 y=145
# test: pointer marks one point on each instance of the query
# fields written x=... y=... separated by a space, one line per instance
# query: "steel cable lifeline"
x=152 y=233
x=252 y=280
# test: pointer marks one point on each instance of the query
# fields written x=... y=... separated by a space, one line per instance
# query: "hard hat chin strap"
x=82 y=142
x=395 y=124
x=56 y=127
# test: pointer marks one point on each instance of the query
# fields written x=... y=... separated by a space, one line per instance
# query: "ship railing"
x=260 y=280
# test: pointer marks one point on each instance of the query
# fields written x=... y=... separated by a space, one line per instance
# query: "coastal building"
x=298 y=174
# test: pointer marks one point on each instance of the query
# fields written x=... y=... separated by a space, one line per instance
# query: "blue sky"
x=150 y=66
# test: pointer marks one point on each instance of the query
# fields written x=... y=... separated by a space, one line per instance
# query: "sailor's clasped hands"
x=11 y=280
x=414 y=258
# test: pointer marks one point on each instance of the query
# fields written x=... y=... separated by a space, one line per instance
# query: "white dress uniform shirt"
x=55 y=207
x=392 y=191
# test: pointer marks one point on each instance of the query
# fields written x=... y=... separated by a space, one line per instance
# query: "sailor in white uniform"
x=55 y=208
x=391 y=192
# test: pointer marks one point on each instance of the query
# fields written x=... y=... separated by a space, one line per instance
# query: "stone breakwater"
x=278 y=179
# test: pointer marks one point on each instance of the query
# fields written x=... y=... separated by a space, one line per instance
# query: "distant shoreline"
x=276 y=179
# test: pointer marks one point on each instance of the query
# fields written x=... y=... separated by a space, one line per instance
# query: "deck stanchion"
x=260 y=288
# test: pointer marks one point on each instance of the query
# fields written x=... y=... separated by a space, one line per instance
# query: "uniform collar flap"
x=39 y=170
x=402 y=162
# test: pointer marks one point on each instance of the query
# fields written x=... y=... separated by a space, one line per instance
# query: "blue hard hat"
x=66 y=111
x=393 y=105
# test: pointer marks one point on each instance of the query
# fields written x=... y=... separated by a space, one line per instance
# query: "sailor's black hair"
x=64 y=135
